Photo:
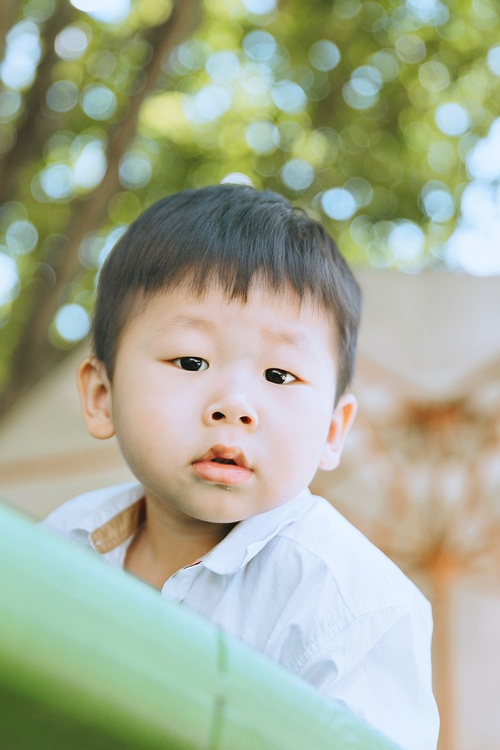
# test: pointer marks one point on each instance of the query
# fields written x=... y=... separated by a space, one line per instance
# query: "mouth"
x=223 y=464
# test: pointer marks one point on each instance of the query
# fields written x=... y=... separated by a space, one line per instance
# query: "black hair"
x=229 y=234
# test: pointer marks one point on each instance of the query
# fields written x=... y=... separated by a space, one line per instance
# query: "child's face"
x=210 y=396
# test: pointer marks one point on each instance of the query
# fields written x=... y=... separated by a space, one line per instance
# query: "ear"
x=95 y=398
x=342 y=419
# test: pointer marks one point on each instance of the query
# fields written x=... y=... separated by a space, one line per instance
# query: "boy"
x=224 y=339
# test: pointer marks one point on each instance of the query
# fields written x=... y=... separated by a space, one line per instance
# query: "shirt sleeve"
x=379 y=667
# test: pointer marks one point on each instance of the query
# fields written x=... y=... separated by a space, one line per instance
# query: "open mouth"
x=223 y=465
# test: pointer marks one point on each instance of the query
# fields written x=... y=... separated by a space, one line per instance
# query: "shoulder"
x=74 y=513
x=345 y=595
x=329 y=546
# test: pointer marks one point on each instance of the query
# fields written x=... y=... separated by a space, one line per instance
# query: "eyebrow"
x=183 y=322
x=295 y=340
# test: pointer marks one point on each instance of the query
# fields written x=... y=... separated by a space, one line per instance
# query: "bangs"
x=230 y=236
x=221 y=242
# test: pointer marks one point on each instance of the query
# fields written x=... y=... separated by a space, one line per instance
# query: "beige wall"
x=426 y=339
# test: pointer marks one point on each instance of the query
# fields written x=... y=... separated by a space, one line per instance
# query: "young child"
x=224 y=339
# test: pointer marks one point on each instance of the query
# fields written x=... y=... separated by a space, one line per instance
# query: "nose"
x=233 y=410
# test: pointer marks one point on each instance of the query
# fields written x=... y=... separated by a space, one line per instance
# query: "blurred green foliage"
x=364 y=113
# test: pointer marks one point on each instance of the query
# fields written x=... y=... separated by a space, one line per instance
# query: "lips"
x=224 y=454
x=223 y=464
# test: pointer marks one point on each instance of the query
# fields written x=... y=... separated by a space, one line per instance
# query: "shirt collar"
x=118 y=516
x=123 y=510
x=250 y=536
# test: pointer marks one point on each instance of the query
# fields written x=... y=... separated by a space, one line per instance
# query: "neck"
x=169 y=541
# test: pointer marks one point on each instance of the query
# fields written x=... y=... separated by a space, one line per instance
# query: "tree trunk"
x=7 y=12
x=34 y=356
x=36 y=127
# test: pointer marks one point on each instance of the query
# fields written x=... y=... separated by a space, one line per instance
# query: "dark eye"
x=281 y=377
x=194 y=364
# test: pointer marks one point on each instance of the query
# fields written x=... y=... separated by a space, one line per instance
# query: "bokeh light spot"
x=432 y=12
x=10 y=104
x=493 y=59
x=62 y=96
x=263 y=137
x=346 y=8
x=57 y=181
x=478 y=203
x=289 y=97
x=236 y=178
x=361 y=92
x=21 y=236
x=410 y=48
x=452 y=119
x=71 y=42
x=189 y=56
x=256 y=79
x=386 y=64
x=483 y=161
x=111 y=11
x=437 y=202
x=110 y=242
x=361 y=190
x=297 y=174
x=101 y=64
x=324 y=55
x=8 y=137
x=260 y=7
x=72 y=322
x=407 y=244
x=39 y=10
x=207 y=105
x=90 y=166
x=90 y=250
x=434 y=76
x=223 y=67
x=259 y=45
x=23 y=51
x=25 y=37
x=338 y=203
x=9 y=278
x=18 y=72
x=135 y=169
x=474 y=250
x=98 y=101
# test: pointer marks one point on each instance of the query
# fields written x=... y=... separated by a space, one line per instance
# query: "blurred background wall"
x=378 y=118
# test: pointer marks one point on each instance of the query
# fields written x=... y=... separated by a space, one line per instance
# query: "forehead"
x=280 y=317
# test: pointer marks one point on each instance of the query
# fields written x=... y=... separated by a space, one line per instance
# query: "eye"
x=194 y=364
x=281 y=377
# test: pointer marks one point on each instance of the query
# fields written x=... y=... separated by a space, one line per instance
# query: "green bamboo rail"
x=92 y=658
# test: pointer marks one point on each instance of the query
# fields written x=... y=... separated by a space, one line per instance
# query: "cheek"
x=300 y=436
x=161 y=414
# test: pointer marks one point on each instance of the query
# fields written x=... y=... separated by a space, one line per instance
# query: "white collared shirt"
x=301 y=584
